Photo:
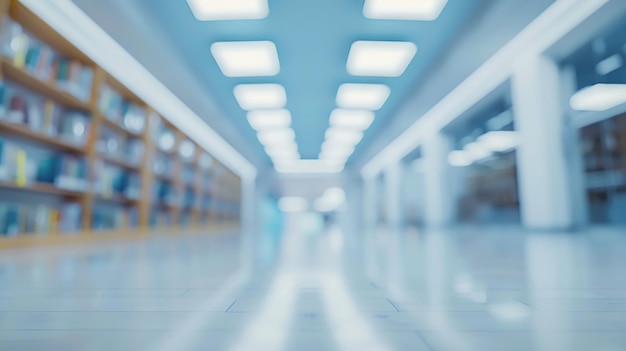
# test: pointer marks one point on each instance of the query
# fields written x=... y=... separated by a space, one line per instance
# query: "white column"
x=393 y=189
x=369 y=203
x=440 y=194
x=250 y=206
x=544 y=154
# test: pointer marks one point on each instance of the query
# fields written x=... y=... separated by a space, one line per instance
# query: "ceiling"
x=313 y=39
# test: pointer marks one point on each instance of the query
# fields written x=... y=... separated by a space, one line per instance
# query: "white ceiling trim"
x=70 y=21
x=546 y=30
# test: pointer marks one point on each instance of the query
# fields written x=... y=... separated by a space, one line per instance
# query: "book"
x=35 y=114
x=9 y=34
x=16 y=109
x=52 y=116
x=69 y=218
x=74 y=128
x=21 y=47
x=110 y=103
x=134 y=117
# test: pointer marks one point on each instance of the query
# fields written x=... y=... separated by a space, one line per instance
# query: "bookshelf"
x=83 y=157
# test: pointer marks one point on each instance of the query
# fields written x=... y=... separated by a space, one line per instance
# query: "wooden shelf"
x=47 y=89
x=222 y=179
x=118 y=199
x=117 y=127
x=43 y=188
x=164 y=178
x=121 y=163
x=23 y=131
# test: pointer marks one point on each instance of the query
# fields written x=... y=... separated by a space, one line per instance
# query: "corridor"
x=465 y=289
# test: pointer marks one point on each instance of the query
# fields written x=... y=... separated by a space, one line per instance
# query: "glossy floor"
x=465 y=289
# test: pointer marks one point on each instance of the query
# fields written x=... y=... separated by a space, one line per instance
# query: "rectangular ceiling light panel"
x=380 y=58
x=362 y=96
x=599 y=97
x=283 y=136
x=308 y=167
x=417 y=10
x=342 y=136
x=246 y=58
x=351 y=119
x=263 y=120
x=220 y=10
x=334 y=148
x=260 y=96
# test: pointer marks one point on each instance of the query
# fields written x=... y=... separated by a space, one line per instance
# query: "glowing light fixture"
x=246 y=58
x=380 y=58
x=216 y=10
x=351 y=119
x=343 y=136
x=308 y=167
x=331 y=200
x=276 y=137
x=599 y=97
x=477 y=151
x=609 y=64
x=262 y=120
x=293 y=204
x=260 y=96
x=499 y=141
x=423 y=10
x=362 y=96
x=459 y=158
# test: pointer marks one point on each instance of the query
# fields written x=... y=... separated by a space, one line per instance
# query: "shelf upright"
x=146 y=174
x=96 y=122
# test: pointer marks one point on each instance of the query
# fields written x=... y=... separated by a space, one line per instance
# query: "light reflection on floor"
x=463 y=289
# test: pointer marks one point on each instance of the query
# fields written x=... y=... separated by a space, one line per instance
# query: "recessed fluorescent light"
x=609 y=64
x=215 y=10
x=499 y=141
x=277 y=136
x=500 y=121
x=423 y=10
x=339 y=156
x=308 y=167
x=362 y=96
x=351 y=119
x=260 y=96
x=380 y=58
x=343 y=136
x=293 y=204
x=459 y=158
x=289 y=147
x=599 y=97
x=336 y=153
x=279 y=153
x=246 y=58
x=335 y=149
x=477 y=151
x=262 y=120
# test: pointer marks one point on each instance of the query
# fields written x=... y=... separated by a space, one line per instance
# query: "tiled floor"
x=464 y=289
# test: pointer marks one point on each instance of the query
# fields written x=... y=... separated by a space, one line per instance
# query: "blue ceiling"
x=313 y=39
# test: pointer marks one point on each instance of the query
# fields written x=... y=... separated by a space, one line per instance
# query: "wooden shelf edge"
x=26 y=241
x=121 y=163
x=25 y=132
x=42 y=188
x=47 y=89
x=117 y=199
x=116 y=126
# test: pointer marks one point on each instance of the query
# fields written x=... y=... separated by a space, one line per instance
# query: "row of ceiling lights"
x=265 y=103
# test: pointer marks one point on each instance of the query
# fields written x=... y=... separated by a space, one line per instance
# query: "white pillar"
x=369 y=203
x=544 y=154
x=250 y=206
x=393 y=192
x=440 y=195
